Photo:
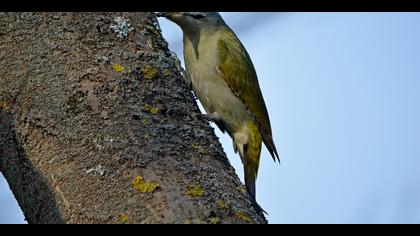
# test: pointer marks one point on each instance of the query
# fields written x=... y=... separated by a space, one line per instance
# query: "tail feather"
x=250 y=151
x=269 y=143
x=250 y=183
x=250 y=169
x=267 y=138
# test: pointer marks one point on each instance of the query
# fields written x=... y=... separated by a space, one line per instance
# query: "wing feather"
x=236 y=68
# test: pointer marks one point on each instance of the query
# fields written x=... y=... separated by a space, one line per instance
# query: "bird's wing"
x=236 y=68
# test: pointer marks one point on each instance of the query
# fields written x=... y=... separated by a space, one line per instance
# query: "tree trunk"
x=95 y=126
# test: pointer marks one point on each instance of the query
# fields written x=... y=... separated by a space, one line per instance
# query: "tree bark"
x=95 y=126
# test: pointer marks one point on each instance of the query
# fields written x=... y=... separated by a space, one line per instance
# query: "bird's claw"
x=200 y=116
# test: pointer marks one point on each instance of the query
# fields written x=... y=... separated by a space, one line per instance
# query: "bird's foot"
x=200 y=116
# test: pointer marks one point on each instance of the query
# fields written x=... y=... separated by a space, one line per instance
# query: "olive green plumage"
x=232 y=52
x=223 y=77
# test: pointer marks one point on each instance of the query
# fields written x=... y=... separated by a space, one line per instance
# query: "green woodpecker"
x=224 y=79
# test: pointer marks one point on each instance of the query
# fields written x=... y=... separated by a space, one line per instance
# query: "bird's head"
x=193 y=20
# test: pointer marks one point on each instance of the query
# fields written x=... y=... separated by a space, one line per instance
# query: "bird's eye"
x=196 y=16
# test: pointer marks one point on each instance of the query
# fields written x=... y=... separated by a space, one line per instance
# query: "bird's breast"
x=211 y=89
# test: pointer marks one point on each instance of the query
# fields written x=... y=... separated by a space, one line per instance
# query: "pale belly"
x=218 y=99
x=213 y=92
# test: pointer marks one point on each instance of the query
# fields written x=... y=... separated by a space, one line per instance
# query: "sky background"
x=343 y=92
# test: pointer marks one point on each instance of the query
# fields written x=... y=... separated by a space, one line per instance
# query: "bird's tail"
x=251 y=160
x=251 y=171
x=250 y=156
x=250 y=182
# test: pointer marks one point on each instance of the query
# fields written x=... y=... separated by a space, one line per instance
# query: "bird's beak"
x=163 y=14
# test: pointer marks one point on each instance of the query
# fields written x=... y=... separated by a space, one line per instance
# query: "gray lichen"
x=99 y=169
x=121 y=26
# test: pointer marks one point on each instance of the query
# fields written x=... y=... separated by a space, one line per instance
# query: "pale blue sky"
x=342 y=90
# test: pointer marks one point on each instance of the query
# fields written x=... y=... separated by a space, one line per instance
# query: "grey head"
x=190 y=21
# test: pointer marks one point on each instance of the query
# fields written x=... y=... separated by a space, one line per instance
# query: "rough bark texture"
x=94 y=126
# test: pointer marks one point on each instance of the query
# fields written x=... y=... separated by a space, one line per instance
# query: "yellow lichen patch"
x=187 y=222
x=149 y=72
x=144 y=122
x=198 y=148
x=195 y=190
x=124 y=217
x=118 y=67
x=222 y=204
x=151 y=109
x=241 y=189
x=214 y=220
x=167 y=73
x=243 y=216
x=144 y=186
x=195 y=146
